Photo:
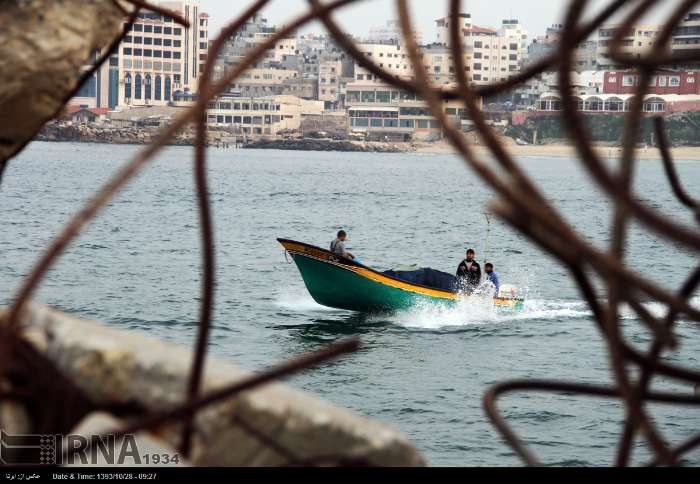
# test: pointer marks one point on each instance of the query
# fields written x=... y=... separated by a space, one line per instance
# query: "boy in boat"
x=492 y=277
x=338 y=246
x=469 y=273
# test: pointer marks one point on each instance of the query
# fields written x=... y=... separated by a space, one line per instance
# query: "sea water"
x=423 y=371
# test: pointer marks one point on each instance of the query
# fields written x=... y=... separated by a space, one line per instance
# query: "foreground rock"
x=44 y=45
x=113 y=366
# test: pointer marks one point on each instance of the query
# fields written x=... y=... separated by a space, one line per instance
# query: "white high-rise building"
x=160 y=60
x=495 y=55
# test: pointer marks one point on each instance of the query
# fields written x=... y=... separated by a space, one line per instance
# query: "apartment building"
x=686 y=40
x=383 y=112
x=495 y=55
x=514 y=30
x=160 y=60
x=255 y=116
x=329 y=82
x=262 y=81
x=635 y=42
x=393 y=57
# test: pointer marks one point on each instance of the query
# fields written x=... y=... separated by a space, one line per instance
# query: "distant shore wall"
x=96 y=133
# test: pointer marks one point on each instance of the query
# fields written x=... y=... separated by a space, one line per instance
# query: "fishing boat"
x=343 y=283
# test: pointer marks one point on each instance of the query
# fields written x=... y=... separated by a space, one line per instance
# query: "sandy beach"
x=556 y=150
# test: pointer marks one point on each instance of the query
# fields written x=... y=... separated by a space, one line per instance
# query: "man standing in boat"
x=469 y=273
x=338 y=246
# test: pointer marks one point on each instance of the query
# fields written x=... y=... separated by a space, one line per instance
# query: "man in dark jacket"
x=469 y=273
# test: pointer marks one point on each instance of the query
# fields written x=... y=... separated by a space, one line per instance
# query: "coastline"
x=83 y=134
x=691 y=153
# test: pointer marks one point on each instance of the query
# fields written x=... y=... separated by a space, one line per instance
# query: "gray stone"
x=118 y=366
x=44 y=45
x=139 y=450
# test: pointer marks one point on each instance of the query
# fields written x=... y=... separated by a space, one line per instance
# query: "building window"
x=203 y=45
x=138 y=40
x=147 y=53
x=147 y=88
x=167 y=54
x=127 y=50
x=148 y=28
x=168 y=88
x=157 y=30
x=137 y=87
x=138 y=52
x=177 y=43
x=654 y=105
x=167 y=42
x=158 y=41
x=157 y=53
x=158 y=88
x=127 y=86
x=176 y=55
x=177 y=31
x=168 y=30
x=138 y=28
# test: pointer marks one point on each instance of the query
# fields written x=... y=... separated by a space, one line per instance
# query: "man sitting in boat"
x=338 y=246
x=469 y=273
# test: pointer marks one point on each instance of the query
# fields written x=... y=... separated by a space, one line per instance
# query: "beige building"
x=329 y=77
x=636 y=41
x=160 y=60
x=383 y=112
x=495 y=55
x=256 y=116
x=686 y=40
x=437 y=60
x=390 y=56
x=262 y=81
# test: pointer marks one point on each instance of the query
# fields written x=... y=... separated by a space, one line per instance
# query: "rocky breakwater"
x=95 y=133
x=262 y=426
x=308 y=144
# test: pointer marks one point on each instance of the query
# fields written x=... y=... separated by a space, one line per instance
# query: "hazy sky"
x=536 y=15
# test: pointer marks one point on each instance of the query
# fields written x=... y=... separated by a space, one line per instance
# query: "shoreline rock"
x=107 y=134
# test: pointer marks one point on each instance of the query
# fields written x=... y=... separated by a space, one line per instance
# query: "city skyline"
x=535 y=15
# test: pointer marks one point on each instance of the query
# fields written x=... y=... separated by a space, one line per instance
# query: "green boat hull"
x=336 y=287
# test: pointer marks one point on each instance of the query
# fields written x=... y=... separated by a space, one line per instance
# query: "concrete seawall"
x=117 y=366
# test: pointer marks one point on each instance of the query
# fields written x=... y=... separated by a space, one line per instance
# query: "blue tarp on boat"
x=426 y=277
